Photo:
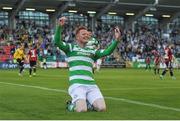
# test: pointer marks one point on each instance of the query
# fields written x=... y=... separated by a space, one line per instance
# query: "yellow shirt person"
x=19 y=54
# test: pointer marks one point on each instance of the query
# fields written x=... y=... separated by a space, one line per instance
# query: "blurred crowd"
x=134 y=44
x=27 y=33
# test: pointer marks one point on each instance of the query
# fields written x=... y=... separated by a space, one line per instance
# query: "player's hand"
x=117 y=34
x=62 y=21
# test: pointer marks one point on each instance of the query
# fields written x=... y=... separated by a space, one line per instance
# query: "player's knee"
x=81 y=109
x=101 y=108
x=81 y=106
x=99 y=105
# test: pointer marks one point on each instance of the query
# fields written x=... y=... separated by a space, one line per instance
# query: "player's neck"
x=81 y=44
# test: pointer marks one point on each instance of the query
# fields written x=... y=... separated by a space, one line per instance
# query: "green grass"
x=120 y=87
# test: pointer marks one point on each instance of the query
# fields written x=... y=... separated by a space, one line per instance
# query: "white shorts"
x=86 y=92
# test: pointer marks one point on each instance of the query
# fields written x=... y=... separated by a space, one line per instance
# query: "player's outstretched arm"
x=58 y=38
x=111 y=47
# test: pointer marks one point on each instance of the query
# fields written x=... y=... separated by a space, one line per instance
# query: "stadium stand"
x=146 y=25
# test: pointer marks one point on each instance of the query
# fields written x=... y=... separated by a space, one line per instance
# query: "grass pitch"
x=129 y=94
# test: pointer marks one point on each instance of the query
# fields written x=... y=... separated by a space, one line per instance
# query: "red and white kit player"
x=168 y=59
x=32 y=57
x=157 y=61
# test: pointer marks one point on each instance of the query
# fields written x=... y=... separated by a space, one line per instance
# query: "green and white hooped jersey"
x=92 y=43
x=80 y=60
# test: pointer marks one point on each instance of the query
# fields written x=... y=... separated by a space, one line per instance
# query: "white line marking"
x=111 y=98
x=153 y=88
x=145 y=104
x=37 y=87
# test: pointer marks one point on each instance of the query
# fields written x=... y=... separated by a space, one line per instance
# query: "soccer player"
x=177 y=63
x=94 y=44
x=45 y=53
x=168 y=60
x=20 y=57
x=98 y=64
x=148 y=62
x=32 y=58
x=80 y=59
x=157 y=61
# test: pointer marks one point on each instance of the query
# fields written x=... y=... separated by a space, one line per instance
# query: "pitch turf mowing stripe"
x=110 y=98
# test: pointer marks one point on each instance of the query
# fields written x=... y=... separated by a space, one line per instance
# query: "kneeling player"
x=80 y=59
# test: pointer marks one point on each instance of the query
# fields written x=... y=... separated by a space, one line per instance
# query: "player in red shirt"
x=32 y=57
x=148 y=62
x=168 y=59
x=157 y=61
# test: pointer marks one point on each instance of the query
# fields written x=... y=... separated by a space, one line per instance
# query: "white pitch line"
x=153 y=88
x=37 y=87
x=111 y=98
x=145 y=104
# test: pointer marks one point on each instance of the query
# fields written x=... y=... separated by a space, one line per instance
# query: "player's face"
x=83 y=36
x=22 y=47
x=30 y=47
x=171 y=46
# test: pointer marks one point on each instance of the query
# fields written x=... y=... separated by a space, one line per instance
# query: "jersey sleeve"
x=58 y=40
x=107 y=51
